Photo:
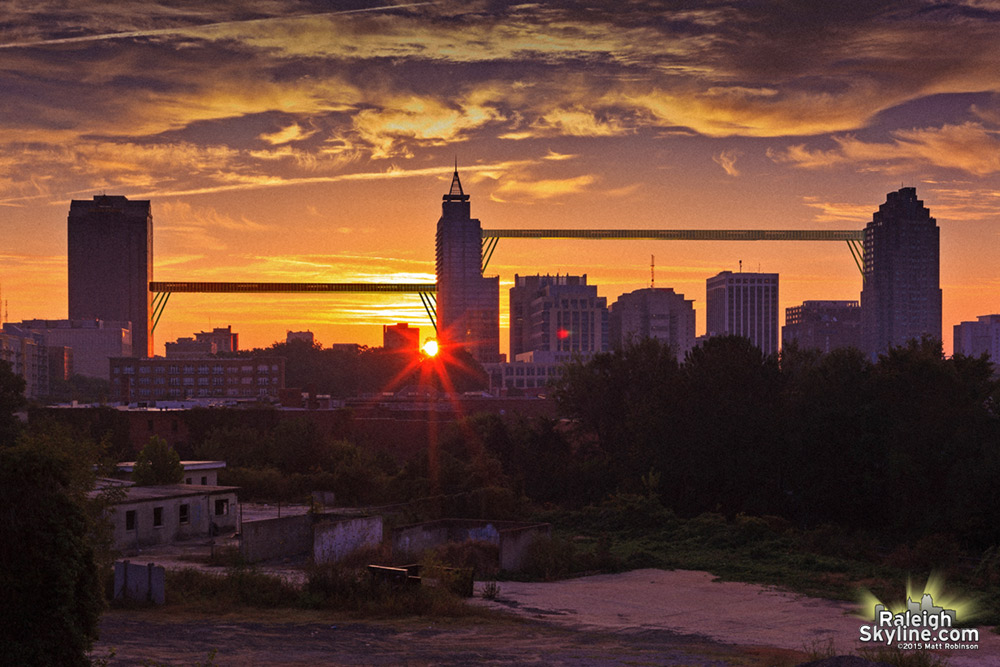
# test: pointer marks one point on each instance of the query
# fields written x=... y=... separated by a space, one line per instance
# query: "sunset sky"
x=309 y=140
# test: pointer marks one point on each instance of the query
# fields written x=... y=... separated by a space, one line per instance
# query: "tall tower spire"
x=456 y=193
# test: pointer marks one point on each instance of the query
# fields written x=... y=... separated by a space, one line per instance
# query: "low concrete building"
x=150 y=515
x=202 y=473
x=512 y=538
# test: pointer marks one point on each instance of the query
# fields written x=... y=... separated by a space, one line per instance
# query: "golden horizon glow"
x=309 y=145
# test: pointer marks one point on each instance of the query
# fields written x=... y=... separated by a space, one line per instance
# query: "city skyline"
x=286 y=142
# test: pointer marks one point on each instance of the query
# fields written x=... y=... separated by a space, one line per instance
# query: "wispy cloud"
x=969 y=147
x=727 y=160
x=534 y=190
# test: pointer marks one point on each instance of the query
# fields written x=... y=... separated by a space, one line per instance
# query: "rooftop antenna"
x=741 y=266
x=652 y=271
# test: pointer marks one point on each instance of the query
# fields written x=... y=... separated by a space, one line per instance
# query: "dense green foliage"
x=908 y=444
x=157 y=463
x=11 y=400
x=52 y=595
x=79 y=388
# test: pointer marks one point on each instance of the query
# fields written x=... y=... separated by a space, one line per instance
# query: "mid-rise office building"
x=468 y=303
x=658 y=313
x=110 y=261
x=744 y=304
x=901 y=296
x=559 y=314
x=159 y=378
x=28 y=358
x=974 y=338
x=823 y=325
x=92 y=342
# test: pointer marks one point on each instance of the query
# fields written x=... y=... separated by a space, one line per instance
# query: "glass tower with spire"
x=468 y=304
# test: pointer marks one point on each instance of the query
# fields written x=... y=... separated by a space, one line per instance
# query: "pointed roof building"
x=468 y=304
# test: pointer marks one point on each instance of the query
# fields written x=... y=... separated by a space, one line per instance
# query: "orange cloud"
x=512 y=189
x=969 y=147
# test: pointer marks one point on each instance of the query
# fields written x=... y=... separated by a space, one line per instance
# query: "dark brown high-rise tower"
x=110 y=253
x=901 y=297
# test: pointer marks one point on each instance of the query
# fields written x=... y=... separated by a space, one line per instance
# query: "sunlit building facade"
x=558 y=314
x=468 y=303
x=110 y=262
x=901 y=296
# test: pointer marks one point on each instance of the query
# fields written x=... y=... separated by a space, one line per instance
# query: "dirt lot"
x=303 y=638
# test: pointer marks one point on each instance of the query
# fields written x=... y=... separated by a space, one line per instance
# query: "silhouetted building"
x=658 y=313
x=974 y=338
x=307 y=336
x=823 y=325
x=401 y=337
x=204 y=344
x=744 y=304
x=901 y=296
x=221 y=340
x=110 y=259
x=468 y=303
x=559 y=314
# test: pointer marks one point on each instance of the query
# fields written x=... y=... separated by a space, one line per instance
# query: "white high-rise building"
x=744 y=304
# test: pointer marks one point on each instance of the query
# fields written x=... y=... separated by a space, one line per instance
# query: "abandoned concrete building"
x=151 y=515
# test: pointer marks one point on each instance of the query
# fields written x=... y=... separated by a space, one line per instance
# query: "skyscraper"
x=110 y=253
x=468 y=304
x=658 y=313
x=901 y=296
x=744 y=304
x=559 y=314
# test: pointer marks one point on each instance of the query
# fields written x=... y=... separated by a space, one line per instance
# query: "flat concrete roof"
x=143 y=493
x=129 y=466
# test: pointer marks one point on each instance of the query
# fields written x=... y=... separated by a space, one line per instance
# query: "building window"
x=202 y=370
x=174 y=368
x=204 y=481
x=221 y=507
x=157 y=517
x=184 y=516
x=187 y=481
x=130 y=520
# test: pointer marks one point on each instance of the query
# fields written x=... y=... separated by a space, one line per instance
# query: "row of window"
x=532 y=370
x=205 y=391
x=183 y=514
x=189 y=369
x=262 y=380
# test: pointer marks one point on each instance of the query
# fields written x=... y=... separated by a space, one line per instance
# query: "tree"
x=11 y=400
x=52 y=593
x=158 y=463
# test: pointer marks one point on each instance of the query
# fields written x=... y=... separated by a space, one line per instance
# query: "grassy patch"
x=631 y=532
